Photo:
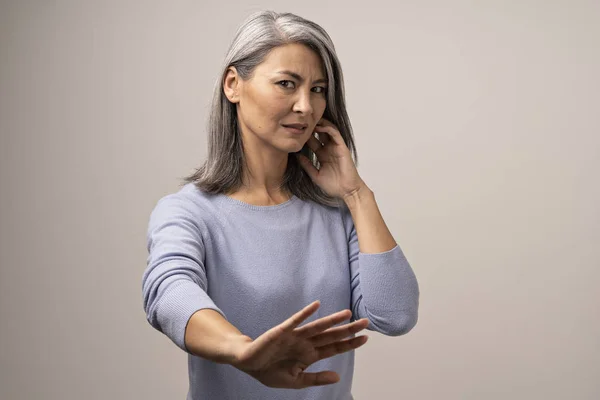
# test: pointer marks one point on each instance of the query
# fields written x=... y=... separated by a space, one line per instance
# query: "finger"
x=308 y=166
x=296 y=319
x=308 y=379
x=314 y=144
x=336 y=334
x=323 y=138
x=330 y=131
x=324 y=122
x=318 y=326
x=287 y=325
x=343 y=346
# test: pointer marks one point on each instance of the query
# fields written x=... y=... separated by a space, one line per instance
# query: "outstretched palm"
x=279 y=357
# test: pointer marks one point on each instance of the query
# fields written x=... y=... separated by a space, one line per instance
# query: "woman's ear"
x=230 y=85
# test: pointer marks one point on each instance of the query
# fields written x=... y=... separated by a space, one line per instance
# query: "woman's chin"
x=295 y=149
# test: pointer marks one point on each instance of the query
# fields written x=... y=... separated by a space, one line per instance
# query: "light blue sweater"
x=257 y=266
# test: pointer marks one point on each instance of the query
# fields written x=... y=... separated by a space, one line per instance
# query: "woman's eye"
x=283 y=83
x=290 y=85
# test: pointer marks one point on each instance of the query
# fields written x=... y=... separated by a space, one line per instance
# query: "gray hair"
x=262 y=31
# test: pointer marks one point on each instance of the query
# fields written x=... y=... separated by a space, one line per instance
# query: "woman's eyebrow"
x=298 y=77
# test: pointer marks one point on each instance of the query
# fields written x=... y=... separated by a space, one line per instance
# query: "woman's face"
x=288 y=87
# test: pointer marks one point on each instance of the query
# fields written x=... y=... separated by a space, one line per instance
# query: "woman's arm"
x=211 y=336
x=373 y=234
x=175 y=282
x=383 y=285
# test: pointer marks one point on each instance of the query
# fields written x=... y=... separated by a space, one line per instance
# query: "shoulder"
x=189 y=205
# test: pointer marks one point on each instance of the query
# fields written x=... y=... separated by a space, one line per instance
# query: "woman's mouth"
x=297 y=129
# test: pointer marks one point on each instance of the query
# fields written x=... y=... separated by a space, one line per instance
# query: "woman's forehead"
x=295 y=58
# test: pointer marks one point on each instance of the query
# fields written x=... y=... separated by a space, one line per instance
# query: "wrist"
x=235 y=345
x=356 y=196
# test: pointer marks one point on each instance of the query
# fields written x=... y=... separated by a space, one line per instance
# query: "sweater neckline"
x=242 y=204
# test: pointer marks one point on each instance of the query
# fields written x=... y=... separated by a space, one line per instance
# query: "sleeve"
x=174 y=283
x=383 y=287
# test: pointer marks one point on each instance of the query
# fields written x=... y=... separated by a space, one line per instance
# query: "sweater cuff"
x=391 y=253
x=176 y=307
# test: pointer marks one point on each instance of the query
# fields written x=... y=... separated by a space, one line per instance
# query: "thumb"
x=307 y=166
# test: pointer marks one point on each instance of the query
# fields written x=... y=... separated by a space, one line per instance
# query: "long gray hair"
x=262 y=31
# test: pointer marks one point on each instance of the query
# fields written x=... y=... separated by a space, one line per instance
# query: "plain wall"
x=478 y=129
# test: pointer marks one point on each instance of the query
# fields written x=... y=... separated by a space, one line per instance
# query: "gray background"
x=477 y=125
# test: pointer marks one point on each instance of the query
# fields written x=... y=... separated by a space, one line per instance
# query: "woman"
x=275 y=219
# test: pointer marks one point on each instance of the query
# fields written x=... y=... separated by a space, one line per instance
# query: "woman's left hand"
x=337 y=175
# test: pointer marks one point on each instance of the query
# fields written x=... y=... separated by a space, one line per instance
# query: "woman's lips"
x=295 y=130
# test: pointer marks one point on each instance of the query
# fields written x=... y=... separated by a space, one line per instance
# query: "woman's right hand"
x=279 y=357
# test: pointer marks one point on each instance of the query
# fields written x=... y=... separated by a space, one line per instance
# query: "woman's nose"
x=303 y=103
